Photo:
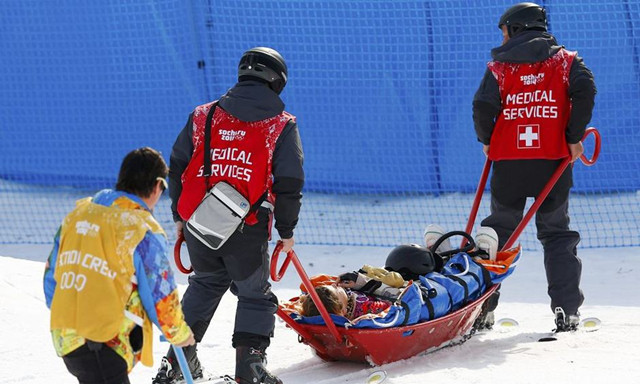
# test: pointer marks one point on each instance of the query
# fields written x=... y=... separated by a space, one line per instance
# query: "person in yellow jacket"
x=108 y=279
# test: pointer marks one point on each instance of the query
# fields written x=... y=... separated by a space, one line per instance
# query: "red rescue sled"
x=381 y=346
x=376 y=346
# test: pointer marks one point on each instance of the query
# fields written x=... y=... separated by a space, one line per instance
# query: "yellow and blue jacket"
x=108 y=279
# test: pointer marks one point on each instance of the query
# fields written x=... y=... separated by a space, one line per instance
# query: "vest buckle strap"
x=135 y=318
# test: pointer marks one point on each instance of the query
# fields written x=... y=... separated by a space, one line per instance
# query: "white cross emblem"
x=528 y=136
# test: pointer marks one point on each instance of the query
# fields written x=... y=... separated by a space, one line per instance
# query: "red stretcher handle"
x=277 y=276
x=541 y=196
x=476 y=200
x=596 y=149
x=176 y=255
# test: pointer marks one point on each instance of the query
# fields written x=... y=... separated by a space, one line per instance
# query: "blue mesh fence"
x=382 y=91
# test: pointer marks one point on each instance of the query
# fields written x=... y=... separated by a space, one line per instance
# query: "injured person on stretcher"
x=417 y=284
x=353 y=294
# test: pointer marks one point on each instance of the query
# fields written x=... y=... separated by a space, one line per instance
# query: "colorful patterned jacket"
x=150 y=292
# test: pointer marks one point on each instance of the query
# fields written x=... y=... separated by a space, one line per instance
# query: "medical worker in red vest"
x=108 y=278
x=531 y=111
x=255 y=147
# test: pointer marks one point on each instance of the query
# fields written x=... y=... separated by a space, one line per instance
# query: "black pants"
x=562 y=265
x=242 y=265
x=101 y=366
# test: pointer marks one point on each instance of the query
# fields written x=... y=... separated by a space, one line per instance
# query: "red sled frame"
x=382 y=346
x=375 y=346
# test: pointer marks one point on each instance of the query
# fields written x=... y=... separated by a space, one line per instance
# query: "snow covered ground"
x=610 y=281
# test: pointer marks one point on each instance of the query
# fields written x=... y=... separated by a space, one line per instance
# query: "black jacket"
x=253 y=101
x=528 y=176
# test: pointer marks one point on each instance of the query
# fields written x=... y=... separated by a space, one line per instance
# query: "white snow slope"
x=610 y=355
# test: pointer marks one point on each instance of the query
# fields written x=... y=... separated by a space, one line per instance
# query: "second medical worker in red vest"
x=531 y=111
x=255 y=147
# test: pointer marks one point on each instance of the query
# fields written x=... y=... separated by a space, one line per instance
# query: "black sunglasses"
x=164 y=183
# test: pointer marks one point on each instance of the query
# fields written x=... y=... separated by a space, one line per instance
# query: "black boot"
x=564 y=322
x=485 y=321
x=486 y=318
x=251 y=367
x=166 y=373
x=170 y=372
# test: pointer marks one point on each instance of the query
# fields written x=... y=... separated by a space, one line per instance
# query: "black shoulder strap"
x=207 y=145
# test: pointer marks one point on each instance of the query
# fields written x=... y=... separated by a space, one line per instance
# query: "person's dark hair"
x=328 y=298
x=140 y=170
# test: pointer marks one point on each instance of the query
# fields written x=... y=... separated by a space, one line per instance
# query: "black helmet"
x=523 y=16
x=412 y=260
x=265 y=64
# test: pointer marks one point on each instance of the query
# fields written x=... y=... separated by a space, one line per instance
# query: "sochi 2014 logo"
x=532 y=79
x=86 y=228
x=231 y=134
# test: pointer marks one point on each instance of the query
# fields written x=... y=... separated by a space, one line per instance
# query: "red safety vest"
x=241 y=155
x=535 y=109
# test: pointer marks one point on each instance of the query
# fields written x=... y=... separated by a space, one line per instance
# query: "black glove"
x=349 y=276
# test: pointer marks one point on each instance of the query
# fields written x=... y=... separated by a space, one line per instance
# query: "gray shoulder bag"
x=223 y=208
